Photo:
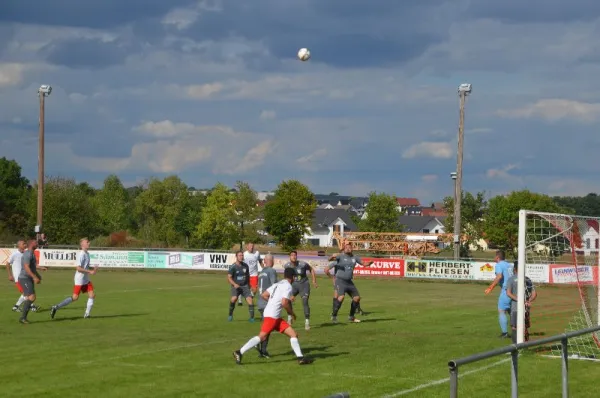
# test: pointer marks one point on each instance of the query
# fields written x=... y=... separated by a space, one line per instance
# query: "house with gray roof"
x=327 y=221
x=423 y=224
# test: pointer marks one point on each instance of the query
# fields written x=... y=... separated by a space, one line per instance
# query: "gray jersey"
x=240 y=274
x=513 y=285
x=301 y=268
x=28 y=258
x=266 y=278
x=344 y=266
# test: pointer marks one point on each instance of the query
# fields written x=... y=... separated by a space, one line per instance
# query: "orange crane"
x=409 y=244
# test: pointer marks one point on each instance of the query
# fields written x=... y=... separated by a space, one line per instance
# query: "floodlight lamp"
x=465 y=88
x=453 y=175
x=45 y=90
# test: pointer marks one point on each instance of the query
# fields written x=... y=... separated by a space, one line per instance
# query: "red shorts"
x=271 y=324
x=254 y=282
x=18 y=285
x=88 y=287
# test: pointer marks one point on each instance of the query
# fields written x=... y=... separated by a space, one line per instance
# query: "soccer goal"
x=560 y=256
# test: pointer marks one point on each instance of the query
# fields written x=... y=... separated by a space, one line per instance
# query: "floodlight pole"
x=463 y=91
x=43 y=92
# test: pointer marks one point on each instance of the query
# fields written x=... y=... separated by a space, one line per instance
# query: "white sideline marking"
x=446 y=380
x=173 y=348
x=12 y=296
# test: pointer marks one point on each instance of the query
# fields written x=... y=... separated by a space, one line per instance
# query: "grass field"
x=166 y=335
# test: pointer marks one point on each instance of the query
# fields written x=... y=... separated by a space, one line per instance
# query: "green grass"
x=166 y=335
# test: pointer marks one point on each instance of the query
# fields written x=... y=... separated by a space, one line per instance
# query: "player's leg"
x=335 y=296
x=266 y=328
x=340 y=287
x=305 y=294
x=29 y=293
x=21 y=299
x=89 y=288
x=513 y=326
x=286 y=329
x=74 y=297
x=353 y=292
x=503 y=309
x=239 y=300
x=247 y=294
x=295 y=293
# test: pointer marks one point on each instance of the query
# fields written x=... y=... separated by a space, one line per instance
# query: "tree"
x=13 y=198
x=217 y=229
x=472 y=213
x=501 y=225
x=588 y=205
x=190 y=216
x=246 y=211
x=382 y=214
x=158 y=210
x=68 y=212
x=112 y=206
x=289 y=214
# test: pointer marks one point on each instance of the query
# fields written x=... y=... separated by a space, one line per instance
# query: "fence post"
x=454 y=382
x=514 y=373
x=565 y=366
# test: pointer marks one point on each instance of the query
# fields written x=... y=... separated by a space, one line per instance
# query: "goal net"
x=560 y=254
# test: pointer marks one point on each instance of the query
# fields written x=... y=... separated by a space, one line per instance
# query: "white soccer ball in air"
x=303 y=54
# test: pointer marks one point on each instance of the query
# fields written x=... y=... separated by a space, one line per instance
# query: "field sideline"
x=166 y=334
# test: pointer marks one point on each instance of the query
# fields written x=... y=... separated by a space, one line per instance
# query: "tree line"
x=167 y=213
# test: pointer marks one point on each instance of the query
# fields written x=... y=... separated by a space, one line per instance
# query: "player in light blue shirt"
x=504 y=271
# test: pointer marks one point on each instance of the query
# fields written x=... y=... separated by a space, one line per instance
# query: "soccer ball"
x=303 y=54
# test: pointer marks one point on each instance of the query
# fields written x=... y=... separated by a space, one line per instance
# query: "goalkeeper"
x=530 y=295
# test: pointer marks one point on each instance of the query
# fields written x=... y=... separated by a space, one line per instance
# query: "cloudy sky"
x=211 y=91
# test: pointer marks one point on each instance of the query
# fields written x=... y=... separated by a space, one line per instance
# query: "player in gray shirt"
x=28 y=278
x=266 y=278
x=343 y=265
x=239 y=279
x=512 y=292
x=301 y=286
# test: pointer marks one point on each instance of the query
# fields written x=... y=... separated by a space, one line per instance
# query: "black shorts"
x=301 y=289
x=342 y=287
x=244 y=291
x=28 y=286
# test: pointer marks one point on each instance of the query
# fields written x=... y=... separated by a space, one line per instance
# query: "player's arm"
x=287 y=304
x=313 y=275
x=328 y=269
x=510 y=294
x=265 y=295
x=360 y=261
x=8 y=269
x=230 y=278
x=494 y=282
x=29 y=272
x=533 y=294
x=334 y=257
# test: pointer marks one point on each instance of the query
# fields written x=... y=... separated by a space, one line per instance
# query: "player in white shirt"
x=253 y=259
x=13 y=267
x=279 y=296
x=82 y=281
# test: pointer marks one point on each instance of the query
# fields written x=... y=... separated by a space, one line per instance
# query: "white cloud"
x=428 y=178
x=170 y=129
x=504 y=174
x=255 y=157
x=203 y=91
x=268 y=115
x=181 y=18
x=311 y=157
x=480 y=130
x=439 y=150
x=556 y=109
x=11 y=74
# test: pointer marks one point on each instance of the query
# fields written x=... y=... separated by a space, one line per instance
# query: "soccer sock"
x=358 y=309
x=20 y=301
x=296 y=346
x=253 y=342
x=26 y=308
x=231 y=308
x=336 y=307
x=333 y=305
x=261 y=311
x=251 y=310
x=263 y=344
x=503 y=321
x=65 y=302
x=90 y=304
x=306 y=308
x=353 y=306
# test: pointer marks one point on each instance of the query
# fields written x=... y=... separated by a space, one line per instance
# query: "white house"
x=591 y=238
x=325 y=223
x=423 y=224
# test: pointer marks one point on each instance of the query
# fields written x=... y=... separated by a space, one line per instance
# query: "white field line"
x=446 y=380
x=15 y=295
x=150 y=352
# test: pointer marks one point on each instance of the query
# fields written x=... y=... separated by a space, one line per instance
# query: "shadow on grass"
x=313 y=353
x=378 y=320
x=72 y=318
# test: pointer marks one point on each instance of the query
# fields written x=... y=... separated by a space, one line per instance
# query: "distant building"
x=410 y=206
x=327 y=221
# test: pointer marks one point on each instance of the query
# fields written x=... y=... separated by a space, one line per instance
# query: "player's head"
x=293 y=256
x=289 y=274
x=250 y=247
x=269 y=260
x=500 y=255
x=84 y=243
x=239 y=256
x=21 y=245
x=348 y=248
x=32 y=244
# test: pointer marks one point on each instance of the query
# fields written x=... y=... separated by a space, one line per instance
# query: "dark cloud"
x=89 y=14
x=519 y=11
x=85 y=53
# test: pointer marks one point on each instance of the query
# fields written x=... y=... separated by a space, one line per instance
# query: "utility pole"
x=43 y=92
x=463 y=90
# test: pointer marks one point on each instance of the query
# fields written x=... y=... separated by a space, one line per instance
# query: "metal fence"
x=514 y=350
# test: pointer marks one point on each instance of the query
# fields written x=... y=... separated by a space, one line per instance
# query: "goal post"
x=559 y=253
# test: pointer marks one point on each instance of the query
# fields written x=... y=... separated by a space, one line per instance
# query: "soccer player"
x=301 y=286
x=13 y=267
x=278 y=296
x=252 y=258
x=28 y=278
x=512 y=292
x=239 y=277
x=266 y=278
x=504 y=271
x=344 y=264
x=82 y=281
